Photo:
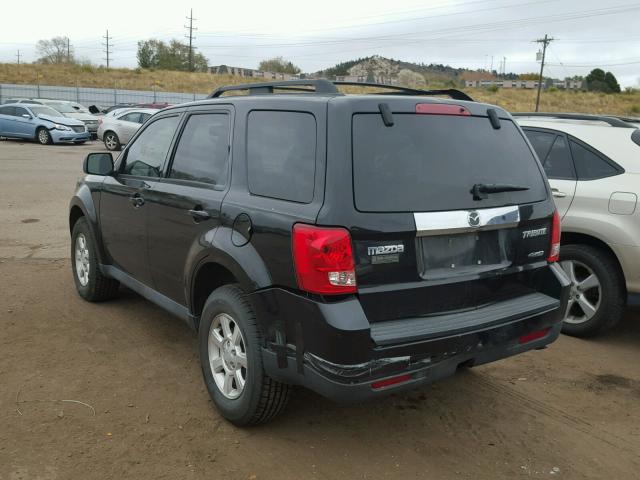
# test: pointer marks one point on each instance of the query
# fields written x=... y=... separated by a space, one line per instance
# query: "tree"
x=278 y=65
x=599 y=81
x=154 y=53
x=55 y=51
x=612 y=82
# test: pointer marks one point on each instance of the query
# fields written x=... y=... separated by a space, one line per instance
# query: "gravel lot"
x=114 y=390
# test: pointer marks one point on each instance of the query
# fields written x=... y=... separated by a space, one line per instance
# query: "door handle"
x=136 y=200
x=557 y=193
x=198 y=214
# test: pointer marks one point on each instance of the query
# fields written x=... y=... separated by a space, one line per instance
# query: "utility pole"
x=544 y=41
x=504 y=66
x=18 y=55
x=68 y=50
x=107 y=47
x=191 y=28
x=491 y=64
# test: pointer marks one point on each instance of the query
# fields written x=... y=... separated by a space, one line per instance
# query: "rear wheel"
x=111 y=141
x=598 y=297
x=43 y=136
x=231 y=360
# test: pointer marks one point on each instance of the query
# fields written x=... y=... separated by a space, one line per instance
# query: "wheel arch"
x=575 y=238
x=82 y=206
x=224 y=264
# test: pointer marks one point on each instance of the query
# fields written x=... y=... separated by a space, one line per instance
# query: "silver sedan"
x=118 y=129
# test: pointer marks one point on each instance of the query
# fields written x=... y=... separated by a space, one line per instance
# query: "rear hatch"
x=425 y=241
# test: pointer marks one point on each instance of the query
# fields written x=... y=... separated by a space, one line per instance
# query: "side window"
x=146 y=155
x=541 y=142
x=558 y=163
x=7 y=110
x=20 y=111
x=589 y=165
x=281 y=155
x=129 y=117
x=144 y=117
x=203 y=150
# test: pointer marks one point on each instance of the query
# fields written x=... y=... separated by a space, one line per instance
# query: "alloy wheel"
x=585 y=293
x=227 y=356
x=82 y=260
x=43 y=136
x=110 y=142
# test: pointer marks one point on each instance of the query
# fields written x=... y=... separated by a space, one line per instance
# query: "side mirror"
x=27 y=116
x=98 y=164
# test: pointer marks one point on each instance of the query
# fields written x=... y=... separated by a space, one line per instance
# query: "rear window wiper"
x=480 y=191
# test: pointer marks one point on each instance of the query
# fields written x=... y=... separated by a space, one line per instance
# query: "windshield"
x=37 y=110
x=62 y=107
x=432 y=162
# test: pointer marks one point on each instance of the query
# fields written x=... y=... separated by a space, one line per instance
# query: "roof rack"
x=613 y=121
x=326 y=86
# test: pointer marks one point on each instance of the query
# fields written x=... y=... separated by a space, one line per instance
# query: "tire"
x=608 y=298
x=261 y=398
x=91 y=284
x=111 y=141
x=43 y=137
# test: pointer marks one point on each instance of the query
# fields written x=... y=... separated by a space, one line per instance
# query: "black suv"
x=356 y=245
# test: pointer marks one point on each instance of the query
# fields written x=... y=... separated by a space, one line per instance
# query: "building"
x=525 y=84
x=250 y=73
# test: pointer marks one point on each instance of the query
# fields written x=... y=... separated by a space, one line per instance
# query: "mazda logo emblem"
x=474 y=219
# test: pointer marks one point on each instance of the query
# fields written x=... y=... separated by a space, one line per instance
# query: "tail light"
x=442 y=109
x=388 y=382
x=323 y=259
x=554 y=250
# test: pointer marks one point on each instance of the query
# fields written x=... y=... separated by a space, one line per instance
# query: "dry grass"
x=171 y=81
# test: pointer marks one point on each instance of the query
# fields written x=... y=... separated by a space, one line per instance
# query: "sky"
x=316 y=35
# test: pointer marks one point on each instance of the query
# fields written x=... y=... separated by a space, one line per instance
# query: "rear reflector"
x=530 y=337
x=323 y=259
x=554 y=249
x=441 y=109
x=387 y=382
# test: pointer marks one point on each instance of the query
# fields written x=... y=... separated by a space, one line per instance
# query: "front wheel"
x=111 y=141
x=231 y=360
x=598 y=296
x=91 y=284
x=43 y=136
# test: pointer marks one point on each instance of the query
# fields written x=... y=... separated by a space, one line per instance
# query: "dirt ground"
x=114 y=390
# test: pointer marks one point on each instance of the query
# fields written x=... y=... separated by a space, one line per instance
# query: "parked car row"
x=115 y=127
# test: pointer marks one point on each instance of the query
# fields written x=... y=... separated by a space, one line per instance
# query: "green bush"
x=493 y=88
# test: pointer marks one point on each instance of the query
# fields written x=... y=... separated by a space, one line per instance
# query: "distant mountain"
x=377 y=67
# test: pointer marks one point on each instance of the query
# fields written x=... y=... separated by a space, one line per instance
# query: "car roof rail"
x=324 y=86
x=320 y=85
x=611 y=120
x=398 y=90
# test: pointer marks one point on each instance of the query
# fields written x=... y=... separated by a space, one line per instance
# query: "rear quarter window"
x=281 y=154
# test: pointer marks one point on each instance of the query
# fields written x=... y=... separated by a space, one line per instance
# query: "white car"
x=116 y=130
x=593 y=167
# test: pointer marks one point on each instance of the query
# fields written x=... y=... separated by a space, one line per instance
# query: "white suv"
x=593 y=166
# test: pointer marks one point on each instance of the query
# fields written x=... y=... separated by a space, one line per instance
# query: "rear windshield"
x=431 y=162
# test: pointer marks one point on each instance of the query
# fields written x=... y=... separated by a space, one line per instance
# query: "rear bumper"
x=332 y=349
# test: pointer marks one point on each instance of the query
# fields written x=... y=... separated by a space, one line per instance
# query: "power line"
x=191 y=28
x=545 y=41
x=107 y=47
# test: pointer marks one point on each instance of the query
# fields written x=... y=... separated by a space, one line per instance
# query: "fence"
x=94 y=96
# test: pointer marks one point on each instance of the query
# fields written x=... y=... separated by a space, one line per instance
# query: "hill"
x=172 y=81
